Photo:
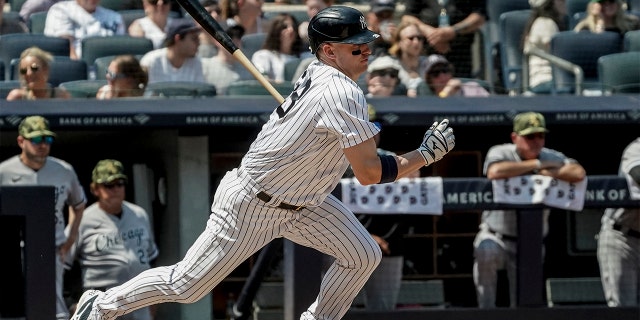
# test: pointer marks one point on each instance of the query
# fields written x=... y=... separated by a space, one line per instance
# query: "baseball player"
x=282 y=186
x=34 y=166
x=619 y=239
x=496 y=243
x=115 y=241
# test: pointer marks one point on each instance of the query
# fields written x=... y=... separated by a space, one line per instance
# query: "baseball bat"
x=211 y=26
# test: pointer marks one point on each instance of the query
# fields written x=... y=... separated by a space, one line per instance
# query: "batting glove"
x=437 y=142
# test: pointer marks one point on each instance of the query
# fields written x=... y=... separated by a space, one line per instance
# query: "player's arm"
x=370 y=168
x=75 y=216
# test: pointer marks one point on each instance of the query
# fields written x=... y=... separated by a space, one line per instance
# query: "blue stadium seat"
x=512 y=26
x=37 y=21
x=180 y=89
x=632 y=41
x=96 y=47
x=612 y=75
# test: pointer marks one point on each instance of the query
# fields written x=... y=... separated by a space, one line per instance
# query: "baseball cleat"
x=85 y=305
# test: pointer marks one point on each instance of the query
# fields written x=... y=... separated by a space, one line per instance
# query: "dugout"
x=177 y=149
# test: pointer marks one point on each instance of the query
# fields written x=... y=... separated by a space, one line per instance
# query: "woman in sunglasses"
x=607 y=15
x=440 y=80
x=125 y=78
x=34 y=77
x=408 y=47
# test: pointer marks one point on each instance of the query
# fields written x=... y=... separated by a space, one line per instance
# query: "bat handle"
x=259 y=76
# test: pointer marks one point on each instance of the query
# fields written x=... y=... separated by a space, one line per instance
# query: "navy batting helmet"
x=339 y=24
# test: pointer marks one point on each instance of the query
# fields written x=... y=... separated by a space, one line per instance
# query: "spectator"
x=607 y=15
x=382 y=78
x=30 y=7
x=247 y=13
x=283 y=44
x=224 y=68
x=34 y=166
x=34 y=77
x=115 y=240
x=619 y=239
x=177 y=61
x=208 y=44
x=408 y=46
x=547 y=18
x=450 y=27
x=80 y=19
x=380 y=19
x=8 y=26
x=442 y=83
x=125 y=78
x=154 y=24
x=313 y=7
x=496 y=242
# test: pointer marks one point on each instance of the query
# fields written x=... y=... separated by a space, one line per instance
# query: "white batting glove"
x=437 y=142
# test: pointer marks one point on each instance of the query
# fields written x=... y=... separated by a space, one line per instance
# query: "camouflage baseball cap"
x=108 y=170
x=34 y=126
x=528 y=123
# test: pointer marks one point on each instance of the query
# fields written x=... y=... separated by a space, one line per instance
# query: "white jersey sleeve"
x=298 y=156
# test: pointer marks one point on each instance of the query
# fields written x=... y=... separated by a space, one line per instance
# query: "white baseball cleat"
x=85 y=305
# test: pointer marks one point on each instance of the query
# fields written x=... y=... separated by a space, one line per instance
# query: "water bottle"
x=443 y=19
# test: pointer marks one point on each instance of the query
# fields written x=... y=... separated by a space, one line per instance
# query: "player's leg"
x=238 y=226
x=62 y=313
x=489 y=258
x=619 y=261
x=332 y=229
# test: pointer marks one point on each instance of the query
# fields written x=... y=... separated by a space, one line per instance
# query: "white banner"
x=405 y=196
x=533 y=189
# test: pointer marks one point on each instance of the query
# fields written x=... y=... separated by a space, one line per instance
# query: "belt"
x=627 y=231
x=504 y=236
x=283 y=205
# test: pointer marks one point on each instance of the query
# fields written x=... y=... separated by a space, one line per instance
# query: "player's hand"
x=437 y=142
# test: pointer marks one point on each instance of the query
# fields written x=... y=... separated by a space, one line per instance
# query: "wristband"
x=389 y=169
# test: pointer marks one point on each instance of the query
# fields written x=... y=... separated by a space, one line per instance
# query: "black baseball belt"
x=627 y=231
x=283 y=205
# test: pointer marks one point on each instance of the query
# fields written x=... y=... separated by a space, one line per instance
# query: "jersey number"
x=298 y=92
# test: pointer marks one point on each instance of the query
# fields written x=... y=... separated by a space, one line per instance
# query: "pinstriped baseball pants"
x=619 y=260
x=240 y=225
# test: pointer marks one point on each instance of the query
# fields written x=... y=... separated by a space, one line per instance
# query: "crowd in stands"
x=411 y=31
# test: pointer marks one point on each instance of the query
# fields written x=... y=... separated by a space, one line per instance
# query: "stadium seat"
x=7 y=86
x=83 y=88
x=252 y=43
x=575 y=18
x=61 y=69
x=574 y=60
x=2 y=70
x=632 y=40
x=634 y=5
x=16 y=4
x=512 y=25
x=290 y=69
x=96 y=47
x=12 y=45
x=177 y=89
x=254 y=88
x=574 y=291
x=37 y=21
x=578 y=48
x=575 y=6
x=612 y=75
x=130 y=15
x=490 y=32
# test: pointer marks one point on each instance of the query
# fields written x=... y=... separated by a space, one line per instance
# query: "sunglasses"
x=42 y=139
x=393 y=73
x=110 y=186
x=115 y=76
x=421 y=38
x=155 y=2
x=437 y=71
x=34 y=68
x=533 y=136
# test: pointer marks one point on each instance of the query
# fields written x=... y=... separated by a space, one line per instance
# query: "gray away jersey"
x=55 y=172
x=289 y=158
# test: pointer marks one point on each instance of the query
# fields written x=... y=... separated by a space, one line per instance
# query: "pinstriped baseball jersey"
x=112 y=249
x=297 y=157
x=55 y=172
